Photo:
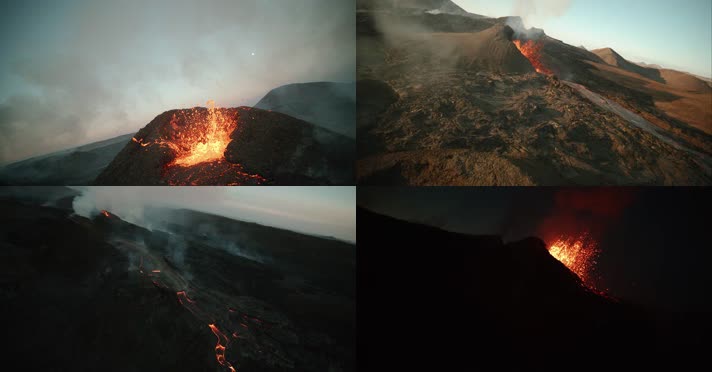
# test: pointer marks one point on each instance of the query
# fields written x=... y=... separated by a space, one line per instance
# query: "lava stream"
x=220 y=347
x=532 y=50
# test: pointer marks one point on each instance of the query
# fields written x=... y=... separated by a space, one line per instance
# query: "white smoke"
x=535 y=12
x=125 y=202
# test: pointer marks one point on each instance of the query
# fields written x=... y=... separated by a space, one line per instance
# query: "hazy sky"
x=77 y=71
x=325 y=211
x=674 y=34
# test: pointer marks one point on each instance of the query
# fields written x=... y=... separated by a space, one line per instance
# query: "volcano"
x=296 y=134
x=101 y=293
x=481 y=301
x=473 y=100
x=234 y=146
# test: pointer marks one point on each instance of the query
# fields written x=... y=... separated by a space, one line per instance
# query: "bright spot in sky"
x=253 y=53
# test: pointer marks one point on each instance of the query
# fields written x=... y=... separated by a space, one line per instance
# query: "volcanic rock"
x=374 y=97
x=290 y=151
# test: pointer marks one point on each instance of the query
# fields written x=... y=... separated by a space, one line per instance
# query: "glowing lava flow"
x=220 y=347
x=532 y=50
x=200 y=139
x=223 y=340
x=578 y=254
x=105 y=213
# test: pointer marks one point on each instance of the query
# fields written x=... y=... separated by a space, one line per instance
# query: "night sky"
x=654 y=242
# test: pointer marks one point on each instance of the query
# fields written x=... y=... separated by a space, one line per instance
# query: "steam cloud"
x=81 y=71
x=540 y=9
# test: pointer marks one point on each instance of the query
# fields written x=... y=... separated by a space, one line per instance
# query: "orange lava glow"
x=140 y=142
x=200 y=139
x=105 y=213
x=532 y=50
x=220 y=347
x=578 y=254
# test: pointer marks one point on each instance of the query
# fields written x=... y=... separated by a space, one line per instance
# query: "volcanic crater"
x=231 y=146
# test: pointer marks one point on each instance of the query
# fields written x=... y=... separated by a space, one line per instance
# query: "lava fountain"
x=201 y=138
x=532 y=50
x=578 y=254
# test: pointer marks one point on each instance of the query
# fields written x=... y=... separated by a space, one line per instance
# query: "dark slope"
x=79 y=294
x=329 y=105
x=76 y=166
x=453 y=299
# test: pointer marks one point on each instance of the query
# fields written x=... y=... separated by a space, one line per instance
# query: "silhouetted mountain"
x=453 y=298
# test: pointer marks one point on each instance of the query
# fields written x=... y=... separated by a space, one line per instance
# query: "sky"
x=315 y=210
x=673 y=34
x=76 y=71
x=654 y=247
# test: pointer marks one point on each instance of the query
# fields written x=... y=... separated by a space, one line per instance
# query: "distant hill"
x=612 y=58
x=328 y=105
x=74 y=166
x=446 y=6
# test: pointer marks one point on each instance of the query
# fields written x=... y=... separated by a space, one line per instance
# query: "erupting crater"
x=200 y=138
x=231 y=146
x=532 y=50
x=578 y=254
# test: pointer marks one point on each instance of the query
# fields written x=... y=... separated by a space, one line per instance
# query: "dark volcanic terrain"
x=103 y=294
x=458 y=300
x=448 y=99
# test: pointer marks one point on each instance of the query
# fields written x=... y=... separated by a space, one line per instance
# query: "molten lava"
x=220 y=347
x=532 y=50
x=200 y=139
x=105 y=213
x=578 y=254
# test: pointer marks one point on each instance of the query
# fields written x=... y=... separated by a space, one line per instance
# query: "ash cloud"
x=80 y=71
